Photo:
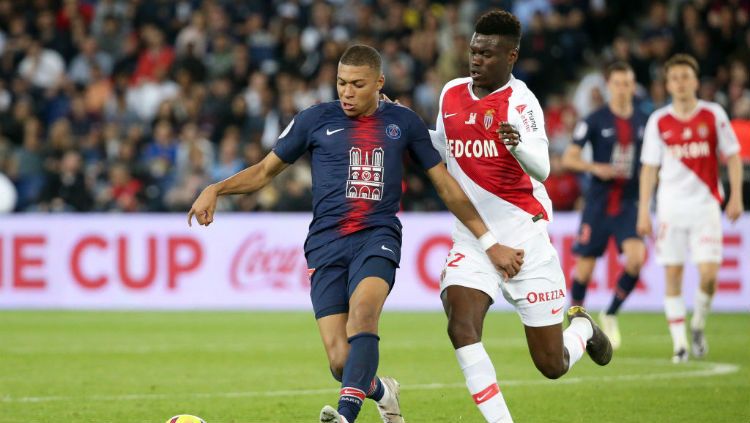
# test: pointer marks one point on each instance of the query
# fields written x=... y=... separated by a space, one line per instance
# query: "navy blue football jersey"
x=357 y=165
x=618 y=142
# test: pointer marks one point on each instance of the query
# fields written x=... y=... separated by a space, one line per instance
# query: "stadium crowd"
x=114 y=105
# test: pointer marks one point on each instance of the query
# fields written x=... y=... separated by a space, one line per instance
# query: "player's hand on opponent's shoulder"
x=388 y=100
x=508 y=134
x=507 y=260
x=603 y=171
x=643 y=225
x=734 y=209
x=204 y=207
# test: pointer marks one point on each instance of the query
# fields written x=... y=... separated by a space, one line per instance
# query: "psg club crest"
x=488 y=118
x=393 y=131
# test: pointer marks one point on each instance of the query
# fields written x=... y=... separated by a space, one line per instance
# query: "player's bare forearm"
x=247 y=181
x=572 y=161
x=253 y=178
x=734 y=170
x=647 y=184
x=456 y=200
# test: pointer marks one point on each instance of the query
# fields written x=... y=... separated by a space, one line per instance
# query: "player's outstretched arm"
x=246 y=181
x=572 y=161
x=507 y=260
x=647 y=185
x=734 y=205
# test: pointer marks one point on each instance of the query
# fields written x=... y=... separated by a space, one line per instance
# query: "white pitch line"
x=707 y=369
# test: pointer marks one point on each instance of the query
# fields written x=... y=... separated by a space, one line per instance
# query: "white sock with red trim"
x=482 y=383
x=700 y=310
x=674 y=308
x=575 y=338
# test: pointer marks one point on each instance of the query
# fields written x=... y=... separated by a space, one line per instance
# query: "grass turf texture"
x=270 y=367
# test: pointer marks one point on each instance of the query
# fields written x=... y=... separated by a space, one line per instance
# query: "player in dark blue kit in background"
x=616 y=134
x=354 y=243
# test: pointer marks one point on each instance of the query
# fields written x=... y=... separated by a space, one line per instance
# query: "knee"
x=708 y=283
x=336 y=362
x=362 y=319
x=462 y=332
x=708 y=278
x=551 y=368
x=633 y=265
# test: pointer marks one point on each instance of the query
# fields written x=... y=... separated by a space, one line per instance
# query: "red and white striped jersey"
x=513 y=205
x=688 y=153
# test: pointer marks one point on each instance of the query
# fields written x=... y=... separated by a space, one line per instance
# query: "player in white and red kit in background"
x=683 y=142
x=490 y=131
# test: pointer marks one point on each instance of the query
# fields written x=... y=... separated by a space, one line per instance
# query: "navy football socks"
x=359 y=373
x=376 y=391
x=625 y=286
x=578 y=292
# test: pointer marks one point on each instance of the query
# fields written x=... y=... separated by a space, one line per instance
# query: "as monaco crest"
x=488 y=118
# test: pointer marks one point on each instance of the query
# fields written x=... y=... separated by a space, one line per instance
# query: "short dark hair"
x=618 y=66
x=682 y=59
x=362 y=55
x=499 y=22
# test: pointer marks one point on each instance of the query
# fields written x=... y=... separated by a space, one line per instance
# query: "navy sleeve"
x=295 y=139
x=582 y=132
x=419 y=142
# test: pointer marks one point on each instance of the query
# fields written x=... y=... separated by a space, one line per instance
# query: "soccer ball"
x=185 y=418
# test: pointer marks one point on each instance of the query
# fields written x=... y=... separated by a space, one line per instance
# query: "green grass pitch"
x=270 y=367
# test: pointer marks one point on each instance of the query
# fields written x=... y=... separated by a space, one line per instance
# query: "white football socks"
x=700 y=310
x=674 y=309
x=575 y=338
x=482 y=383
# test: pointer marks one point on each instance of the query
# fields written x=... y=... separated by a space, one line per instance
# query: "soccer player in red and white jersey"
x=490 y=131
x=683 y=142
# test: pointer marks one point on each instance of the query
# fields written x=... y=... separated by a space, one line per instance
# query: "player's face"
x=682 y=83
x=621 y=86
x=492 y=58
x=359 y=89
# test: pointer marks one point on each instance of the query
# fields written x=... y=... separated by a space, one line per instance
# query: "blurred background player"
x=354 y=243
x=615 y=133
x=683 y=142
x=504 y=181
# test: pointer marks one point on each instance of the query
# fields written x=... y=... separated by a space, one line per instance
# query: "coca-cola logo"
x=258 y=264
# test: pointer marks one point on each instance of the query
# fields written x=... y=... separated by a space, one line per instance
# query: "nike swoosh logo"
x=329 y=132
x=608 y=132
x=383 y=247
x=555 y=311
x=447 y=115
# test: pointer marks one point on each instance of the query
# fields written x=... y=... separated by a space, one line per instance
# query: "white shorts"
x=701 y=232
x=537 y=292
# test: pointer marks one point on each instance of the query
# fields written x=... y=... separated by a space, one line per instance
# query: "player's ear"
x=381 y=82
x=513 y=55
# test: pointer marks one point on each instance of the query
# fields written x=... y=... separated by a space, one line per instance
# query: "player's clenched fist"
x=204 y=207
x=508 y=261
x=508 y=134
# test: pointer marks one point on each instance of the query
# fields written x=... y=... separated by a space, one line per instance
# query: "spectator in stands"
x=66 y=189
x=101 y=77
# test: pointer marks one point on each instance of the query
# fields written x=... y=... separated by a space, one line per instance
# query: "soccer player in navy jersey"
x=353 y=245
x=615 y=133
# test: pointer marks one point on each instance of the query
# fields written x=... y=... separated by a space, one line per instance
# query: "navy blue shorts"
x=597 y=227
x=339 y=266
